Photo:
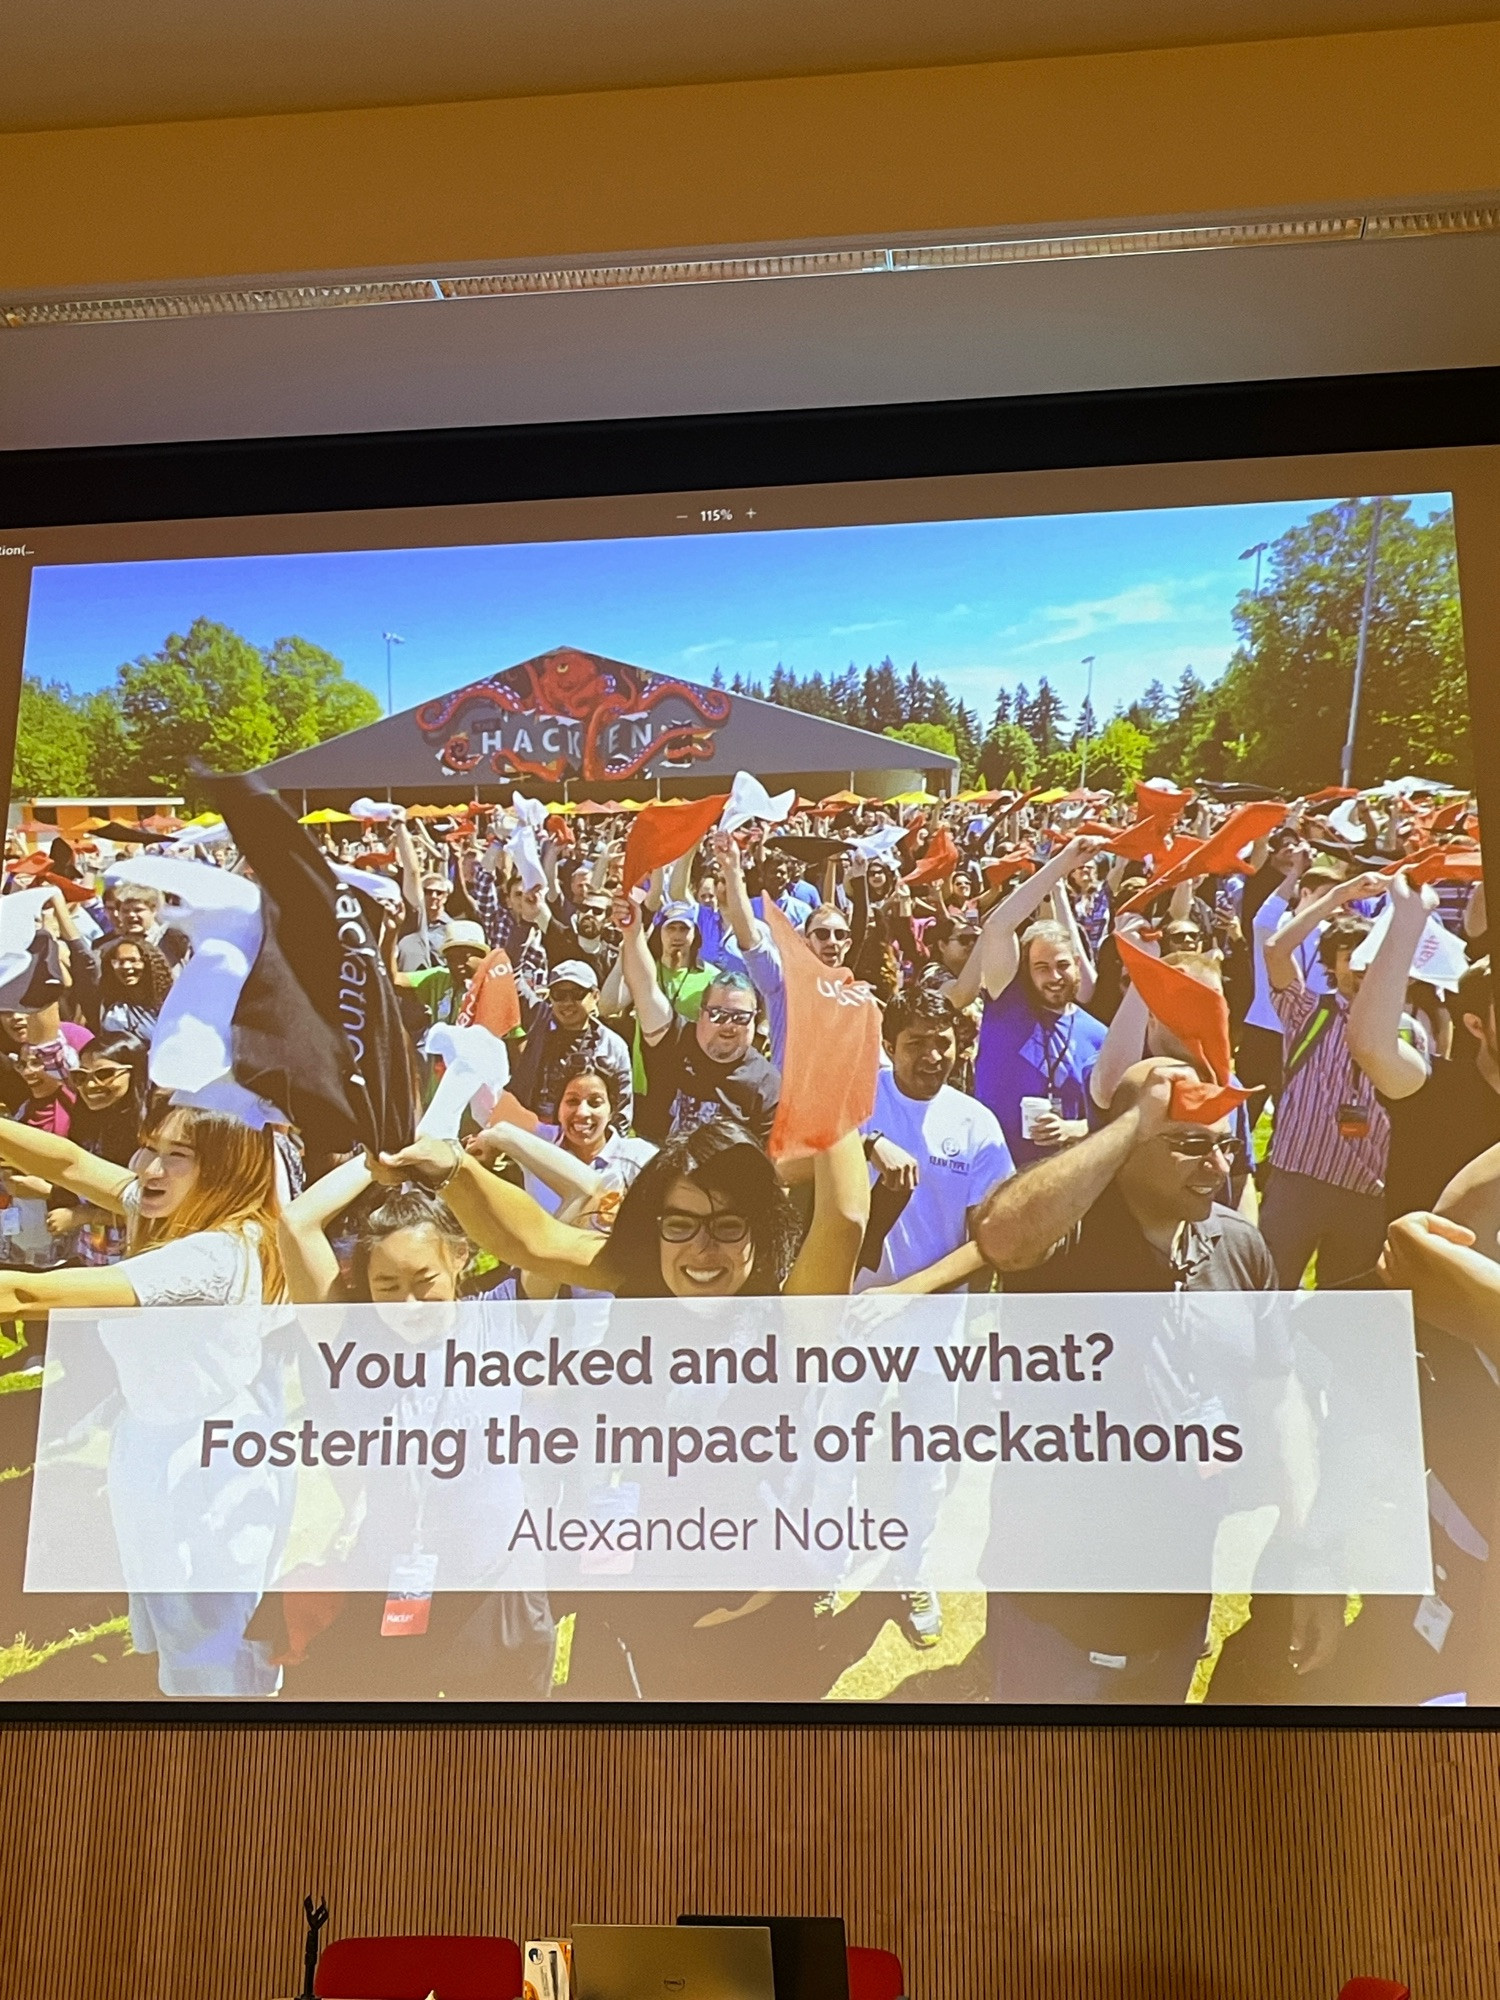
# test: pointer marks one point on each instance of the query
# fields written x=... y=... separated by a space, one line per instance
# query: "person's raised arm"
x=958 y=1266
x=1476 y=917
x=1452 y=1285
x=829 y=1256
x=59 y=1161
x=498 y=1217
x=680 y=877
x=33 y=1294
x=1374 y=1028
x=1123 y=1047
x=66 y=927
x=551 y=1164
x=614 y=996
x=1026 y=1217
x=736 y=896
x=410 y=863
x=312 y=1269
x=995 y=959
x=1067 y=916
x=1283 y=967
x=652 y=1007
x=1472 y=1199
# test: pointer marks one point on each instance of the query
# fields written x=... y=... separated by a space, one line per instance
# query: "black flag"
x=318 y=1028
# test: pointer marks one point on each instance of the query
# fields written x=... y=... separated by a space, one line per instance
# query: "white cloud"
x=871 y=625
x=1139 y=604
x=713 y=646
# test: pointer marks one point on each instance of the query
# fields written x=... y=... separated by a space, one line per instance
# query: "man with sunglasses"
x=827 y=931
x=1130 y=1208
x=695 y=1070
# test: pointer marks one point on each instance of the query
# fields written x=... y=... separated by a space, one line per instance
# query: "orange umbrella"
x=835 y=800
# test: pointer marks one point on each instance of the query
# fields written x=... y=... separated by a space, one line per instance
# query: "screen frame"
x=221 y=479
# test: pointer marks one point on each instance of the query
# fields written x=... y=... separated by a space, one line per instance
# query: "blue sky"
x=982 y=603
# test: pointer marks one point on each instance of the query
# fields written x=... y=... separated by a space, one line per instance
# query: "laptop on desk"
x=672 y=1962
x=808 y=1959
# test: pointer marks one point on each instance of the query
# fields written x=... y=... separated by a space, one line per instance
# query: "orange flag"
x=72 y=892
x=940 y=859
x=1449 y=864
x=492 y=1001
x=1331 y=795
x=1199 y=1017
x=1449 y=819
x=1139 y=841
x=663 y=832
x=1157 y=803
x=832 y=1048
x=998 y=872
x=1219 y=854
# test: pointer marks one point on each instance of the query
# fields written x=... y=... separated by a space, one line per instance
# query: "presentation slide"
x=863 y=1093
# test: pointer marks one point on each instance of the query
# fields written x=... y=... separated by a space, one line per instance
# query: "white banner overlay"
x=1109 y=1442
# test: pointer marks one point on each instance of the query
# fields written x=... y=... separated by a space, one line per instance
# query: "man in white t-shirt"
x=939 y=1146
x=936 y=1153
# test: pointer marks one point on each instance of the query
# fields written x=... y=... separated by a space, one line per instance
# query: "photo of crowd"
x=1154 y=1015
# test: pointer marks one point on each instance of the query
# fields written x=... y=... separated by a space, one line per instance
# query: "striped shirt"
x=1306 y=1138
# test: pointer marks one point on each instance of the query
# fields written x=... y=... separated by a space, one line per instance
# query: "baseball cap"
x=679 y=913
x=573 y=972
x=461 y=933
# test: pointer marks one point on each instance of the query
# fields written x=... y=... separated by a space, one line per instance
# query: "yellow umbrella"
x=629 y=806
x=562 y=811
x=914 y=799
x=1049 y=798
x=203 y=819
x=324 y=816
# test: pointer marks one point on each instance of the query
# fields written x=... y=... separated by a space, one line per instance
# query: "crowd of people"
x=1049 y=1114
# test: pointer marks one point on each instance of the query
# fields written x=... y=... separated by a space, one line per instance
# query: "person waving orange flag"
x=832 y=1048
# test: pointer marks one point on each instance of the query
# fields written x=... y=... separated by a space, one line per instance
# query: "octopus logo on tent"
x=570 y=714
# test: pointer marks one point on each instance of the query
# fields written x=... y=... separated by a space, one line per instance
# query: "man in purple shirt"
x=1037 y=1046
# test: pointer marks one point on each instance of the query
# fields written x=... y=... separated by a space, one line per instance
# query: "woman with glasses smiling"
x=707 y=1218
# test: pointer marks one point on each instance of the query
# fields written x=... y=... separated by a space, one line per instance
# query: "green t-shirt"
x=685 y=990
x=433 y=986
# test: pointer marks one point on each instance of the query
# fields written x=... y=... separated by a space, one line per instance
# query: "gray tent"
x=574 y=722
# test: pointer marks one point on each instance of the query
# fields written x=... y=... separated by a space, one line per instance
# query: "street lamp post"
x=391 y=639
x=1256 y=549
x=1362 y=647
x=1088 y=717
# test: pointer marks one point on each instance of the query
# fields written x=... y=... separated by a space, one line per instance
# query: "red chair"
x=875 y=1975
x=1374 y=1989
x=409 y=1968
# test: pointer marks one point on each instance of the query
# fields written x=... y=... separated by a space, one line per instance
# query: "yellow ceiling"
x=96 y=63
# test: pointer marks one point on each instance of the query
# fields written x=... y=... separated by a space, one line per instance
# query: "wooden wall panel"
x=169 y=1864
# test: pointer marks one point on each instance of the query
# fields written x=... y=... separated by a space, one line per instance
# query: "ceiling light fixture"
x=236 y=300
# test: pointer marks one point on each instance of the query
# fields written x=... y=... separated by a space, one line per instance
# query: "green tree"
x=1117 y=756
x=311 y=697
x=111 y=753
x=52 y=757
x=1286 y=691
x=203 y=695
x=1008 y=757
x=1048 y=719
x=926 y=736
